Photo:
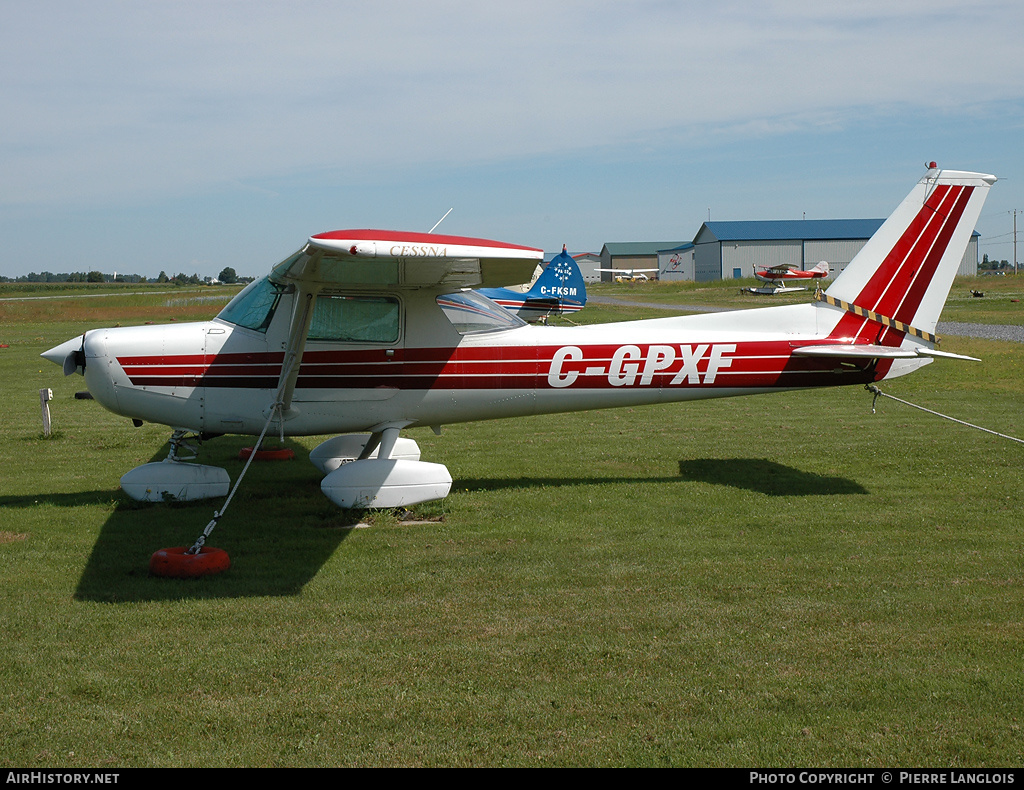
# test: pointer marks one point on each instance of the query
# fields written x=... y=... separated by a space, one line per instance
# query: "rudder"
x=561 y=280
x=906 y=269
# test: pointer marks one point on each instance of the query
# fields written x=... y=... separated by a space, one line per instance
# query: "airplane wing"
x=397 y=260
x=387 y=260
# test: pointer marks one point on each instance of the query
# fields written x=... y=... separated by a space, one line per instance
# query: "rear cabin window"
x=470 y=312
x=355 y=319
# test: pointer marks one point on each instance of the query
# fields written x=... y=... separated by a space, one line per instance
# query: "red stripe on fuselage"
x=762 y=364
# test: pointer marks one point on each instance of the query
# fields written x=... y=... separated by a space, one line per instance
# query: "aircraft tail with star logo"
x=559 y=290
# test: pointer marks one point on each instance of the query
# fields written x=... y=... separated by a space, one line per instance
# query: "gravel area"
x=1014 y=334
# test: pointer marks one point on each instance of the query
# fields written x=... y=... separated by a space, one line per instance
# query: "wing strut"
x=302 y=316
x=201 y=540
x=306 y=290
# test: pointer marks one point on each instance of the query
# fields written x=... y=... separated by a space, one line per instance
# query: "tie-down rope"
x=874 y=389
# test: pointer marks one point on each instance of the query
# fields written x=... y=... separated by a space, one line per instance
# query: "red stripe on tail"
x=899 y=284
x=906 y=310
x=894 y=275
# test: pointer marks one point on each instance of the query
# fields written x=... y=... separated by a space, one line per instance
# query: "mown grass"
x=773 y=580
x=109 y=305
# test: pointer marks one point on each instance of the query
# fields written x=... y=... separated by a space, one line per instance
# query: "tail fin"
x=821 y=266
x=903 y=274
x=563 y=281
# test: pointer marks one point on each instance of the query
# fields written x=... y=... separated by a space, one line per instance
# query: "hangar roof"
x=638 y=247
x=777 y=230
x=688 y=245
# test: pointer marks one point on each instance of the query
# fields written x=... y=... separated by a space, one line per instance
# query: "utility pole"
x=1014 y=241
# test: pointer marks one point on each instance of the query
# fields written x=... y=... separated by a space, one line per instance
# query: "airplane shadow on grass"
x=765 y=477
x=280 y=530
x=753 y=474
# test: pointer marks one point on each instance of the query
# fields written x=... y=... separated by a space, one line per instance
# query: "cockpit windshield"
x=254 y=306
x=470 y=312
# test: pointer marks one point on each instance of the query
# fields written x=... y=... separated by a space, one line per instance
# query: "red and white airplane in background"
x=778 y=276
x=362 y=334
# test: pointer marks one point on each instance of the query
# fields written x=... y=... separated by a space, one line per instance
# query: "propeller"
x=75 y=360
x=70 y=355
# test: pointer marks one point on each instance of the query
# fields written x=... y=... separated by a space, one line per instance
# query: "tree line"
x=987 y=264
x=227 y=276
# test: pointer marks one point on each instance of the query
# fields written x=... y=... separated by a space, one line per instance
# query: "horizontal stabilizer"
x=866 y=351
x=860 y=351
x=932 y=352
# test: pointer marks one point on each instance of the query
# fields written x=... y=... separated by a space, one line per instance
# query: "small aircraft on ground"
x=629 y=275
x=361 y=334
x=559 y=290
x=778 y=276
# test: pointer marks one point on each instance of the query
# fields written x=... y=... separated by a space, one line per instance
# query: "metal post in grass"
x=45 y=396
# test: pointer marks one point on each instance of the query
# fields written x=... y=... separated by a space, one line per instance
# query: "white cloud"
x=104 y=100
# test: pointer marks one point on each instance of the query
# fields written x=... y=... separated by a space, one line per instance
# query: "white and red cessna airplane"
x=777 y=276
x=363 y=333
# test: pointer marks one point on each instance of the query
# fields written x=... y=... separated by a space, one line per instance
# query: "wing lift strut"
x=302 y=314
x=381 y=470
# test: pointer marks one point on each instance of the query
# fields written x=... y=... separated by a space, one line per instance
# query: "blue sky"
x=191 y=136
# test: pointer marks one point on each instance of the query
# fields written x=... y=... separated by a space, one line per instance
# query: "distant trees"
x=228 y=275
x=987 y=264
x=186 y=279
x=72 y=277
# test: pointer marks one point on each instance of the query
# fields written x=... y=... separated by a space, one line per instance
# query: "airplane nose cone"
x=57 y=354
x=65 y=355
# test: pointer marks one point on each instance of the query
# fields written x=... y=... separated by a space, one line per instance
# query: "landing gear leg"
x=172 y=478
x=183 y=439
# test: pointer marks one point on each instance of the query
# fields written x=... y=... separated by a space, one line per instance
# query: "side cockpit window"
x=254 y=306
x=355 y=319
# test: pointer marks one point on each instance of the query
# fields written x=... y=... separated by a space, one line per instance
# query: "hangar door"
x=745 y=256
x=837 y=252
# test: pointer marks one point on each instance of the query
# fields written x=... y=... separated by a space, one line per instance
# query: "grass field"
x=784 y=580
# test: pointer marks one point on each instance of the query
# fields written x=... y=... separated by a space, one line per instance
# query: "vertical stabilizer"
x=906 y=269
x=562 y=281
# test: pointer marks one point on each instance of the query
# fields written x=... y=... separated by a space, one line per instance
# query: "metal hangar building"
x=631 y=255
x=732 y=250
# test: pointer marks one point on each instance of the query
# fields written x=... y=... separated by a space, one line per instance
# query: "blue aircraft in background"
x=558 y=290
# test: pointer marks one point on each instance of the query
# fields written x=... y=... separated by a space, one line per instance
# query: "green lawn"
x=768 y=581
